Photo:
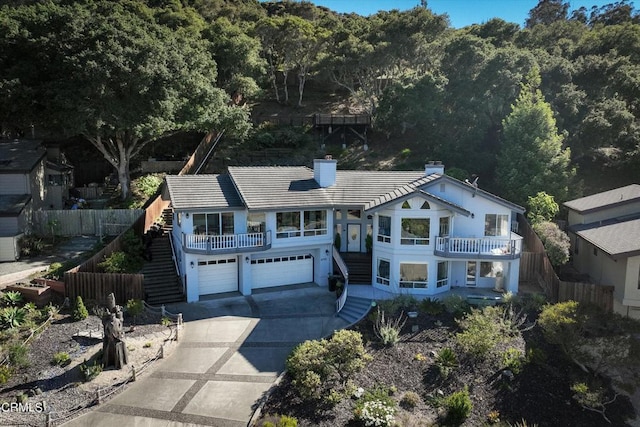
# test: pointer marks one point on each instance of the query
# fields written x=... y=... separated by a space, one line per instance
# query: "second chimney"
x=433 y=167
x=324 y=171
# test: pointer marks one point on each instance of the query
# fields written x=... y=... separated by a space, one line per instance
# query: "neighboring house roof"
x=20 y=156
x=606 y=199
x=13 y=204
x=619 y=239
x=202 y=192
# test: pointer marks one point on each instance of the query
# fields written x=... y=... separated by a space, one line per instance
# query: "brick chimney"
x=324 y=171
x=434 y=167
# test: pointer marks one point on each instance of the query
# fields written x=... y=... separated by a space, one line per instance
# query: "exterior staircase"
x=354 y=309
x=359 y=266
x=161 y=282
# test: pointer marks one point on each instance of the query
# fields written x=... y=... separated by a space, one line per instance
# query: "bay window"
x=413 y=276
x=383 y=272
x=443 y=274
x=415 y=231
x=384 y=229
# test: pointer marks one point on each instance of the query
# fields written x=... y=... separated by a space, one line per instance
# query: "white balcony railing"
x=481 y=247
x=226 y=243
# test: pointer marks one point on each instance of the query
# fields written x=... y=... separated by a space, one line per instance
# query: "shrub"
x=512 y=360
x=165 y=321
x=5 y=374
x=410 y=400
x=31 y=245
x=431 y=307
x=481 y=331
x=556 y=242
x=12 y=317
x=388 y=330
x=12 y=298
x=446 y=361
x=458 y=406
x=561 y=325
x=117 y=262
x=493 y=417
x=19 y=355
x=375 y=413
x=398 y=304
x=90 y=372
x=318 y=366
x=61 y=359
x=79 y=310
x=456 y=305
x=592 y=399
x=135 y=307
x=149 y=184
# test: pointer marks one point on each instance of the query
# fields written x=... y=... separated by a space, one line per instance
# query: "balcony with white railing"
x=225 y=244
x=480 y=248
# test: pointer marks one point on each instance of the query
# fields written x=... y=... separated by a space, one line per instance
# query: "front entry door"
x=353 y=238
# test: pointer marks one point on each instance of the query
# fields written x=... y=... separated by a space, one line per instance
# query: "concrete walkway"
x=230 y=352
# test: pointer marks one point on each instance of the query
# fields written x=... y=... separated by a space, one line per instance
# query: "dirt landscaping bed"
x=60 y=388
x=539 y=394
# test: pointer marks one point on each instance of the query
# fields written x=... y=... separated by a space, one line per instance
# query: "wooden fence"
x=96 y=286
x=84 y=221
x=86 y=281
x=587 y=293
x=536 y=267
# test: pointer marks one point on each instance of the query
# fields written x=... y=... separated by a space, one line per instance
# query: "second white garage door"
x=280 y=271
x=217 y=275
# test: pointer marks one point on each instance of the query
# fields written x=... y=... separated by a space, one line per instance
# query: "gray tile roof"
x=278 y=187
x=606 y=199
x=195 y=192
x=20 y=156
x=620 y=239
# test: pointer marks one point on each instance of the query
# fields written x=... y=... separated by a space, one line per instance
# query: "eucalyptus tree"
x=107 y=70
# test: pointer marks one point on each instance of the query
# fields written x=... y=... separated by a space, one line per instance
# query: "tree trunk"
x=124 y=178
x=302 y=78
x=286 y=89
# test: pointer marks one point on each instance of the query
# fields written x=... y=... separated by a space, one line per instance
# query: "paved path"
x=229 y=354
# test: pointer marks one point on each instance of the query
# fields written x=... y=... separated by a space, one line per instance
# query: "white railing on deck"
x=210 y=243
x=465 y=245
x=175 y=260
x=342 y=266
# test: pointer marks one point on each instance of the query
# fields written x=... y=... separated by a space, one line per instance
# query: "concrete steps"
x=161 y=283
x=359 y=266
x=355 y=308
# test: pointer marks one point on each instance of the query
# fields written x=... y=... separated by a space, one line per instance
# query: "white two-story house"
x=259 y=227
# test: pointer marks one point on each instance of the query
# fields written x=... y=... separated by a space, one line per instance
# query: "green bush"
x=542 y=207
x=458 y=406
x=431 y=307
x=149 y=184
x=482 y=331
x=12 y=298
x=31 y=245
x=456 y=305
x=61 y=358
x=79 y=310
x=279 y=421
x=556 y=242
x=5 y=374
x=375 y=413
x=398 y=304
x=512 y=360
x=318 y=366
x=117 y=262
x=410 y=400
x=562 y=325
x=446 y=361
x=19 y=355
x=12 y=317
x=90 y=371
x=135 y=307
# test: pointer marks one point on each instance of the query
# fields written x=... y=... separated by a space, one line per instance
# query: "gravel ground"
x=61 y=389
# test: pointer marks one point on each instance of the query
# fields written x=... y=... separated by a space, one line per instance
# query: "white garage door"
x=280 y=271
x=217 y=275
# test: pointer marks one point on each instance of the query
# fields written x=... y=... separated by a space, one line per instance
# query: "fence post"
x=133 y=373
x=48 y=419
x=162 y=351
x=179 y=319
x=98 y=398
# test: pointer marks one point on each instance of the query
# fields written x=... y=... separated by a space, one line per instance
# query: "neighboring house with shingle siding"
x=604 y=229
x=259 y=227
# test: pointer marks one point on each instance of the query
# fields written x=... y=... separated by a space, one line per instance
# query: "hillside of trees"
x=539 y=108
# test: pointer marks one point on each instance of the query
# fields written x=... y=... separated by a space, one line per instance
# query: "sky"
x=461 y=12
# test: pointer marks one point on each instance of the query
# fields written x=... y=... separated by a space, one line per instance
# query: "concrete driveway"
x=229 y=354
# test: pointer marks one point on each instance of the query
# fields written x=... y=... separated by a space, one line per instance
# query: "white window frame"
x=496 y=225
x=415 y=284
